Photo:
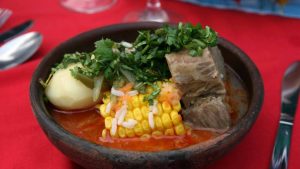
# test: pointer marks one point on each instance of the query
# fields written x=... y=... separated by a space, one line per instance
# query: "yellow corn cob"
x=102 y=109
x=166 y=107
x=175 y=117
x=137 y=114
x=129 y=132
x=145 y=111
x=129 y=115
x=106 y=98
x=104 y=133
x=177 y=107
x=138 y=129
x=158 y=123
x=107 y=122
x=146 y=127
x=141 y=99
x=135 y=101
x=157 y=133
x=169 y=132
x=159 y=108
x=129 y=105
x=167 y=120
x=179 y=129
x=121 y=132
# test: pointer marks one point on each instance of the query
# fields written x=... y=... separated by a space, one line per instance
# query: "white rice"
x=117 y=92
x=150 y=119
x=154 y=108
x=129 y=124
x=113 y=129
x=126 y=44
x=122 y=116
x=133 y=93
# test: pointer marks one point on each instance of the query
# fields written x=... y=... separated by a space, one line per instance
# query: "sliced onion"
x=129 y=76
x=108 y=107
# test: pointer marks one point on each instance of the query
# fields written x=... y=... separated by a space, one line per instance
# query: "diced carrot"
x=127 y=87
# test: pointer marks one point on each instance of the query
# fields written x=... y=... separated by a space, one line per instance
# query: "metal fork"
x=4 y=15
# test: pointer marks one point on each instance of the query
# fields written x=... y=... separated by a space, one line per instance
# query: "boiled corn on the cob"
x=136 y=118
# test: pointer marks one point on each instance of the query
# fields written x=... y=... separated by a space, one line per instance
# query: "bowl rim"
x=44 y=120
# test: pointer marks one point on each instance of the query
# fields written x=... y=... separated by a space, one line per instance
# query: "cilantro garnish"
x=142 y=62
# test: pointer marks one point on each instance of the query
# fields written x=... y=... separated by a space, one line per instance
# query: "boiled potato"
x=68 y=93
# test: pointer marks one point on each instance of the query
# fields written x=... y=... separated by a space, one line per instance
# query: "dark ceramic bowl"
x=90 y=155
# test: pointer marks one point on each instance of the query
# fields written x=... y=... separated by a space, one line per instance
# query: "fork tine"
x=4 y=15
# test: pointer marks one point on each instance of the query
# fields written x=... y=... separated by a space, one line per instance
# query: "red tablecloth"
x=272 y=42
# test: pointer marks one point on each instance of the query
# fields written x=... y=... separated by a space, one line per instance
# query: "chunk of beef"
x=200 y=80
x=197 y=76
x=208 y=112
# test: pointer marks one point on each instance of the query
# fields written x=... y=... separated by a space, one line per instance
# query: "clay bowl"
x=90 y=155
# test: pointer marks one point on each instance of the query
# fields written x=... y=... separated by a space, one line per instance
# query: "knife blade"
x=289 y=100
x=15 y=31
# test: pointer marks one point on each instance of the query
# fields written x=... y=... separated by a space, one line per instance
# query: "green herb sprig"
x=142 y=62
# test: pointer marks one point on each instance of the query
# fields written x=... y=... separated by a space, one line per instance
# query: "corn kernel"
x=159 y=108
x=114 y=135
x=129 y=132
x=145 y=137
x=112 y=114
x=129 y=104
x=129 y=115
x=166 y=107
x=158 y=123
x=135 y=101
x=179 y=129
x=102 y=107
x=146 y=126
x=166 y=120
x=106 y=100
x=104 y=133
x=138 y=129
x=169 y=132
x=121 y=132
x=176 y=118
x=108 y=122
x=137 y=114
x=103 y=111
x=145 y=111
x=157 y=133
x=162 y=98
x=177 y=107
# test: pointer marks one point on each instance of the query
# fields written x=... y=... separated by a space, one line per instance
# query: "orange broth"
x=89 y=125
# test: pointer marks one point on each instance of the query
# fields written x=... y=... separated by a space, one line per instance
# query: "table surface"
x=272 y=42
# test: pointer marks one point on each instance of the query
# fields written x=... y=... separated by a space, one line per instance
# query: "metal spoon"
x=19 y=49
x=289 y=100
